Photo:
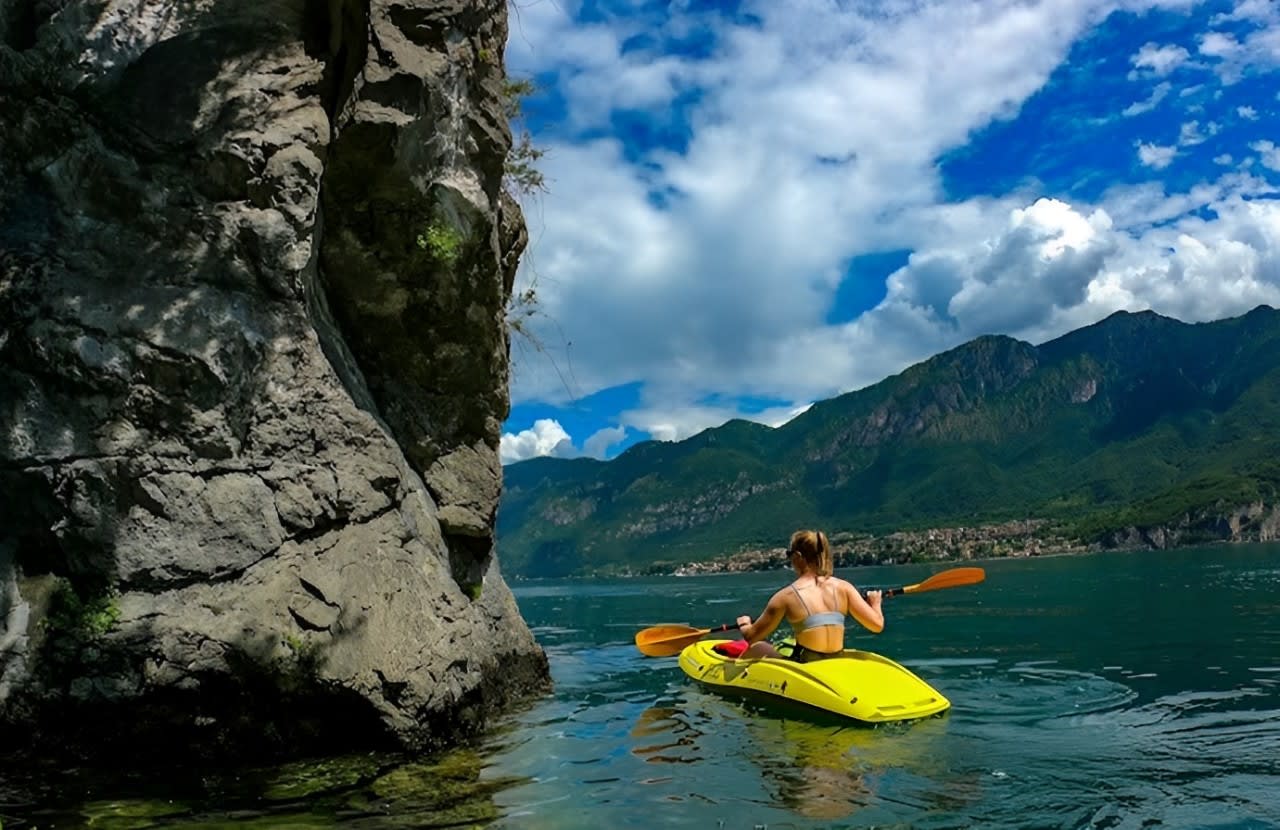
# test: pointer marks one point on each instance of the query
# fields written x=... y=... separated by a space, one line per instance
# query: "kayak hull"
x=858 y=685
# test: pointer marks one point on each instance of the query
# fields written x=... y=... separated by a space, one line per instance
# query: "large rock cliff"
x=254 y=262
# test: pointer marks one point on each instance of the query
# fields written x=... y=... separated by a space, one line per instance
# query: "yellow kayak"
x=858 y=685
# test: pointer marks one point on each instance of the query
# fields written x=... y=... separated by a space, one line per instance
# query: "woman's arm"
x=767 y=622
x=866 y=611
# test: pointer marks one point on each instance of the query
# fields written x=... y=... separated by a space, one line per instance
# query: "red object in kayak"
x=732 y=648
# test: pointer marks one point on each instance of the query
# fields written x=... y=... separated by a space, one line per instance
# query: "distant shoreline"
x=1048 y=554
x=1251 y=523
x=1019 y=539
x=1004 y=540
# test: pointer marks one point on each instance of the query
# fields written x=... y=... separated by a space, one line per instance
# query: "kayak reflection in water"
x=815 y=605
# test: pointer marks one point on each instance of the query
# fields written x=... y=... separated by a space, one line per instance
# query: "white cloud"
x=709 y=272
x=710 y=251
x=1223 y=159
x=1190 y=134
x=1261 y=11
x=1247 y=113
x=546 y=437
x=1053 y=267
x=1139 y=208
x=675 y=423
x=1268 y=153
x=1201 y=269
x=1219 y=45
x=598 y=445
x=1156 y=156
x=1159 y=60
x=668 y=423
x=1153 y=100
x=1258 y=48
x=1043 y=257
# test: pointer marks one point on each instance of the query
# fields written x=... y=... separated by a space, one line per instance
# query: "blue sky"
x=755 y=205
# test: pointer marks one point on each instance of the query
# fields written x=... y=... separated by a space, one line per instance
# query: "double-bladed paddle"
x=666 y=640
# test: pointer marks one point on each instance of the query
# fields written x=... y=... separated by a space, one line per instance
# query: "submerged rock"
x=254 y=262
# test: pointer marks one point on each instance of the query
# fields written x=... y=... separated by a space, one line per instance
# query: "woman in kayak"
x=815 y=605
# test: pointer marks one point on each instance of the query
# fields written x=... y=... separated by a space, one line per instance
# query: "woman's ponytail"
x=824 y=555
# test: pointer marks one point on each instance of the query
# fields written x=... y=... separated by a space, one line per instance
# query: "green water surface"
x=1117 y=690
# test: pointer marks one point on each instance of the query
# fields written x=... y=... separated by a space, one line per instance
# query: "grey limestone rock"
x=254 y=263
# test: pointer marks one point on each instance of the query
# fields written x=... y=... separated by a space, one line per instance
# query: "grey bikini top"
x=815 y=620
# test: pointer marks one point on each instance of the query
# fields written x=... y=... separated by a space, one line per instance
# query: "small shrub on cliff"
x=521 y=175
x=514 y=93
x=84 y=618
x=442 y=242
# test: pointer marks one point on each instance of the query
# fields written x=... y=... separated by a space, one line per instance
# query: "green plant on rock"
x=442 y=242
x=514 y=93
x=82 y=617
x=521 y=176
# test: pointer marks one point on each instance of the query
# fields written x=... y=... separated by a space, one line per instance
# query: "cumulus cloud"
x=545 y=437
x=806 y=128
x=707 y=268
x=1219 y=45
x=1043 y=258
x=1156 y=156
x=1247 y=113
x=548 y=437
x=1261 y=11
x=1054 y=267
x=1190 y=135
x=1268 y=153
x=1236 y=53
x=1200 y=269
x=1159 y=60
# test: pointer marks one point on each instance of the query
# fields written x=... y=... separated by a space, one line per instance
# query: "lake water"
x=1118 y=690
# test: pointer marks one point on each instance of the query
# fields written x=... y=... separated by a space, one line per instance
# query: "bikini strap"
x=800 y=597
x=835 y=601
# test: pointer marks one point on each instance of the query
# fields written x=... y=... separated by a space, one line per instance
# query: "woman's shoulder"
x=784 y=593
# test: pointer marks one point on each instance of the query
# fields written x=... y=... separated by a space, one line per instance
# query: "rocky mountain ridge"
x=1134 y=422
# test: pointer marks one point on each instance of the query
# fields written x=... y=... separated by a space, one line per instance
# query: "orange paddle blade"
x=666 y=640
x=953 y=578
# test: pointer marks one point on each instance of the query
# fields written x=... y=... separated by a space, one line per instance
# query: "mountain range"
x=1136 y=421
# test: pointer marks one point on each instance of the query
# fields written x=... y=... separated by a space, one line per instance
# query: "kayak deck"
x=859 y=685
